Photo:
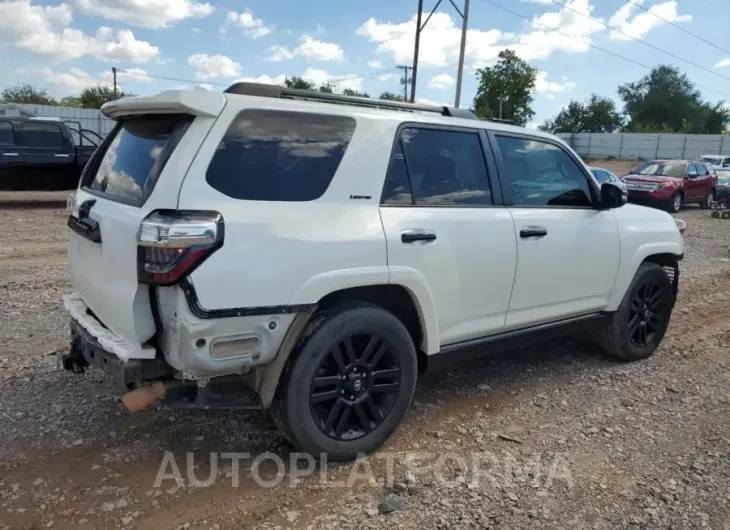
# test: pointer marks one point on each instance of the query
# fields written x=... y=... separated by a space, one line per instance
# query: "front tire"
x=349 y=383
x=674 y=204
x=638 y=326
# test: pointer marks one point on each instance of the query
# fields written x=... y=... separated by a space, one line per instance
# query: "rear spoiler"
x=168 y=102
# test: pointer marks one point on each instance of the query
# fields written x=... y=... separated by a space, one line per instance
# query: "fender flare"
x=319 y=286
x=265 y=378
x=627 y=271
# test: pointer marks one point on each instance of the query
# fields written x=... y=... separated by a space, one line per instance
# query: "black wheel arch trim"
x=199 y=311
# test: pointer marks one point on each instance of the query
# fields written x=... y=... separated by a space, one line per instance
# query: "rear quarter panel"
x=278 y=253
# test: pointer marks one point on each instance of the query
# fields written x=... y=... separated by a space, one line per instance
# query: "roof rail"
x=274 y=91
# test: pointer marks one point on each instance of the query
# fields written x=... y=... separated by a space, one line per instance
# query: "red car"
x=671 y=183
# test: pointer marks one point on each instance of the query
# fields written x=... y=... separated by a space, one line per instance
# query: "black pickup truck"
x=39 y=154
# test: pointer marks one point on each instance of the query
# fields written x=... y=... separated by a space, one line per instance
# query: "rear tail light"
x=171 y=244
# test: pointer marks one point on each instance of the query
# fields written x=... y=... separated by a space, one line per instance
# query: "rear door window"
x=38 y=134
x=7 y=136
x=433 y=167
x=130 y=161
x=269 y=155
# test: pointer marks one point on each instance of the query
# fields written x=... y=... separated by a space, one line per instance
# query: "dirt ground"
x=619 y=167
x=567 y=437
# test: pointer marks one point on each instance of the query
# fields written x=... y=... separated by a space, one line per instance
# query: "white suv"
x=308 y=254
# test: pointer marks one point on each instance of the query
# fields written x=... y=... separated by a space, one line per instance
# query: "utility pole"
x=405 y=80
x=415 y=51
x=114 y=76
x=420 y=27
x=460 y=72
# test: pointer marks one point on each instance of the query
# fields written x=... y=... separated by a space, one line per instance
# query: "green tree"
x=351 y=92
x=298 y=82
x=508 y=83
x=94 y=97
x=391 y=96
x=28 y=94
x=667 y=100
x=70 y=101
x=326 y=87
x=597 y=115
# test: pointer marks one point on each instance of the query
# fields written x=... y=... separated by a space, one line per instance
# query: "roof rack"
x=274 y=91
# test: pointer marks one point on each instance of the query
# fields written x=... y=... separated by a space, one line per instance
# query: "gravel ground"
x=554 y=436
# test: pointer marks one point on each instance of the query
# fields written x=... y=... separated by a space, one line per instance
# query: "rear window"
x=134 y=156
x=42 y=135
x=271 y=155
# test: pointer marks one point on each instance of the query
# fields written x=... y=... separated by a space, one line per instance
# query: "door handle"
x=10 y=154
x=533 y=231
x=411 y=236
x=62 y=156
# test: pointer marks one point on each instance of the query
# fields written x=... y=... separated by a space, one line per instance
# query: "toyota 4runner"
x=309 y=254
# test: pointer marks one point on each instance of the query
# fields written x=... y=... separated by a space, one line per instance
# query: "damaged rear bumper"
x=87 y=351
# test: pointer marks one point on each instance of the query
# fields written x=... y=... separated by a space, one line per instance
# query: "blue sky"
x=64 y=46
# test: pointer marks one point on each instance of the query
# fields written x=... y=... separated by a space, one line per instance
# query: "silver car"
x=604 y=175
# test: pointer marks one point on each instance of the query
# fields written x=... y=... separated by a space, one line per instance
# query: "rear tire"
x=349 y=382
x=715 y=214
x=707 y=201
x=638 y=326
x=726 y=215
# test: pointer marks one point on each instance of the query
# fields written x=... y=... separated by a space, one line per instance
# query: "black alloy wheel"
x=355 y=387
x=646 y=313
x=348 y=383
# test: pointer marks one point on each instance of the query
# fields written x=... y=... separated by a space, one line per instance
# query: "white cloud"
x=149 y=14
x=44 y=30
x=577 y=32
x=212 y=66
x=441 y=81
x=640 y=25
x=251 y=26
x=375 y=64
x=441 y=38
x=321 y=77
x=76 y=79
x=424 y=101
x=543 y=86
x=309 y=48
x=266 y=79
x=440 y=41
x=723 y=63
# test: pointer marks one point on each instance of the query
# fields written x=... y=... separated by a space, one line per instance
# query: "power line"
x=587 y=43
x=642 y=41
x=688 y=32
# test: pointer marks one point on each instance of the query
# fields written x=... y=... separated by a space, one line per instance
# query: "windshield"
x=711 y=159
x=670 y=169
x=601 y=176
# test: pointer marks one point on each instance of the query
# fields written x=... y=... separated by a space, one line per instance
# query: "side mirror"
x=612 y=196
